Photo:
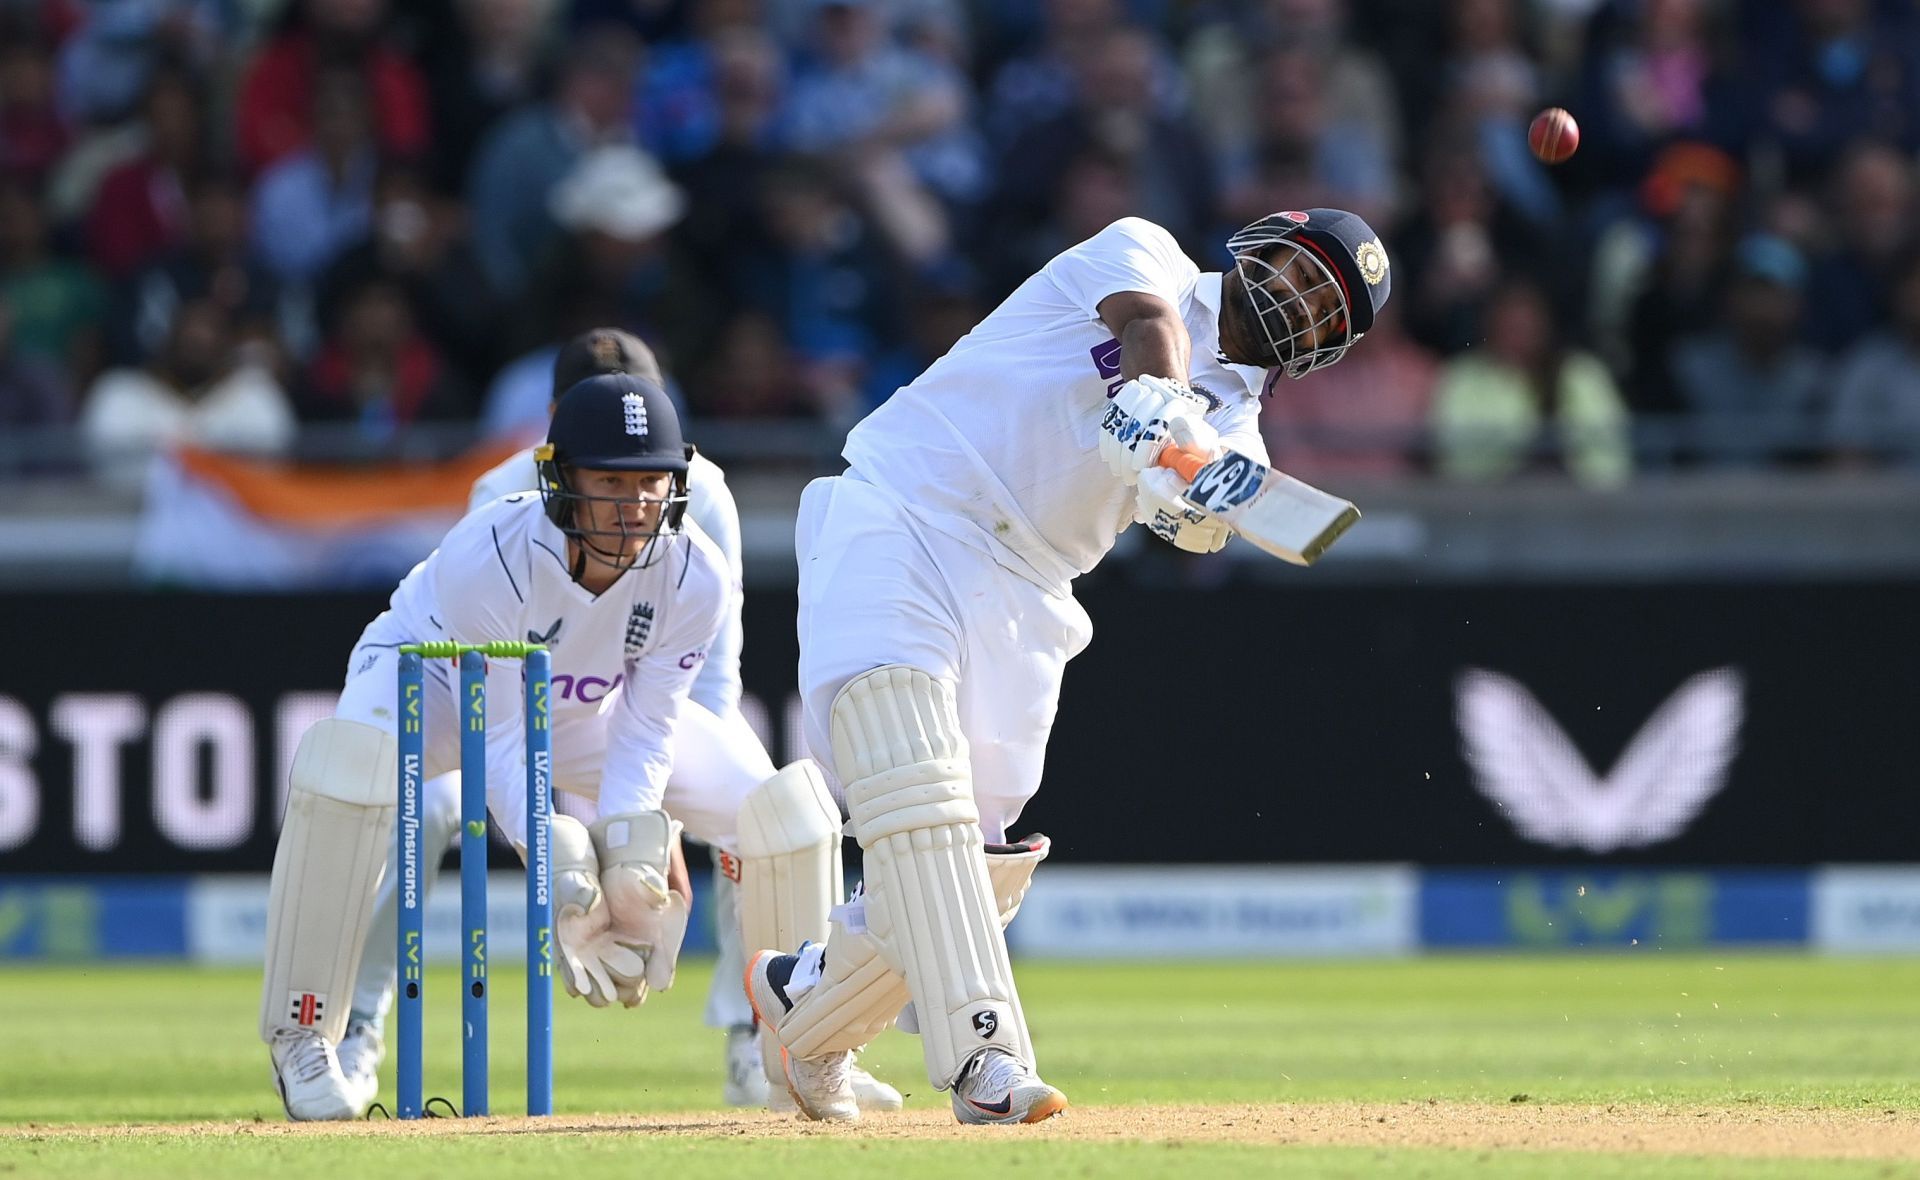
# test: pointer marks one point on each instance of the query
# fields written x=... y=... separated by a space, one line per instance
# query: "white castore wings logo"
x=1523 y=761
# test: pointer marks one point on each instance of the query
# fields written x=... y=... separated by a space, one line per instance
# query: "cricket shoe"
x=309 y=1079
x=360 y=1053
x=997 y=1087
x=822 y=1087
x=872 y=1095
x=746 y=1083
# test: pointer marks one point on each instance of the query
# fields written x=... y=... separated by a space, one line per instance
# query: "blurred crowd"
x=222 y=221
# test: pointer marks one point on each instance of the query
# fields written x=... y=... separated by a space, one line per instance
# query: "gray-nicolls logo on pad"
x=1524 y=762
x=986 y=1024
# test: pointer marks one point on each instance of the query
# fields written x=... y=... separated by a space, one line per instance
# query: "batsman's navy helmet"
x=1344 y=249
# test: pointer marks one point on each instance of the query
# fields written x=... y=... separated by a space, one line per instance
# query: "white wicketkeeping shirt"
x=501 y=574
x=711 y=507
x=1000 y=437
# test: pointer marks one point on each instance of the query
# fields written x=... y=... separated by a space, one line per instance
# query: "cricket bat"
x=1294 y=521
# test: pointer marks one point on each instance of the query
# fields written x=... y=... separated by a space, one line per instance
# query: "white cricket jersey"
x=501 y=573
x=710 y=505
x=1000 y=437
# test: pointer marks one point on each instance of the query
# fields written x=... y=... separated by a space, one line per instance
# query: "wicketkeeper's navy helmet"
x=1343 y=251
x=612 y=422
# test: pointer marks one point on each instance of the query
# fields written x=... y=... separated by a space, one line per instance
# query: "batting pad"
x=860 y=992
x=790 y=875
x=898 y=747
x=332 y=852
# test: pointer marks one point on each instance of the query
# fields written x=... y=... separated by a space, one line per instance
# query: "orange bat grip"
x=1186 y=460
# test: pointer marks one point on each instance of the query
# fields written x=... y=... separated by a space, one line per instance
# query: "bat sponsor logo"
x=1227 y=482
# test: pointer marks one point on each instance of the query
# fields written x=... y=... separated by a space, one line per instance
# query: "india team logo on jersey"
x=636 y=409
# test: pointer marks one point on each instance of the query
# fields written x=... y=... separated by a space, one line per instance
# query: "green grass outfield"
x=1443 y=1067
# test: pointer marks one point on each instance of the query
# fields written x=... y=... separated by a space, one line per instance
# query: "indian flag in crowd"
x=226 y=522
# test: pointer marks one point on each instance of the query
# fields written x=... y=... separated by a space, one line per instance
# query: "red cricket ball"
x=1553 y=135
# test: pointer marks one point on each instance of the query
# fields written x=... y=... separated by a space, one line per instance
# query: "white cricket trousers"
x=877 y=587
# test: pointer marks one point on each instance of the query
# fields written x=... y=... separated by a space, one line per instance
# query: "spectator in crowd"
x=1043 y=82
x=1114 y=109
x=1493 y=86
x=1873 y=200
x=615 y=263
x=826 y=284
x=279 y=101
x=1750 y=389
x=1875 y=415
x=493 y=63
x=33 y=134
x=191 y=392
x=140 y=210
x=1824 y=73
x=1461 y=238
x=1298 y=156
x=213 y=262
x=1649 y=79
x=1680 y=252
x=750 y=375
x=1364 y=419
x=528 y=152
x=58 y=305
x=941 y=308
x=417 y=240
x=375 y=371
x=1097 y=187
x=107 y=63
x=1353 y=94
x=723 y=232
x=317 y=201
x=1525 y=401
x=898 y=124
x=680 y=109
x=33 y=391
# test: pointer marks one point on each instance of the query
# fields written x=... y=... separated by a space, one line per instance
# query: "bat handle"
x=1186 y=460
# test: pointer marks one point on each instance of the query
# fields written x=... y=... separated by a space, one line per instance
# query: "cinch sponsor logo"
x=691 y=658
x=585 y=688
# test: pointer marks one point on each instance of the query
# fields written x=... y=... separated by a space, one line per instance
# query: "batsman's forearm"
x=1156 y=346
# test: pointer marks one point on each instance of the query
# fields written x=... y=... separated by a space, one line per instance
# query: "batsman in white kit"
x=600 y=567
x=717 y=756
x=1120 y=384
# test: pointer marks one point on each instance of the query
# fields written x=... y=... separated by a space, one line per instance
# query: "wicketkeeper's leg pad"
x=898 y=748
x=326 y=870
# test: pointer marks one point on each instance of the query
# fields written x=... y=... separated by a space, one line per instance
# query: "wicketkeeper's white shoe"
x=997 y=1087
x=746 y=1083
x=822 y=1087
x=308 y=1076
x=360 y=1053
